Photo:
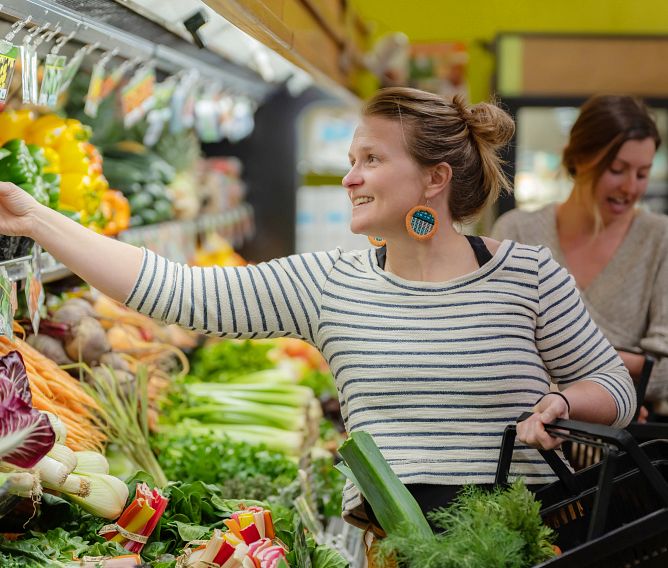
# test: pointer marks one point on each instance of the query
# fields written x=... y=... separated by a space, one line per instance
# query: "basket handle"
x=550 y=456
x=585 y=433
x=641 y=386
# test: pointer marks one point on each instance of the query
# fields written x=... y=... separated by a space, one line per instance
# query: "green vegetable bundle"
x=480 y=528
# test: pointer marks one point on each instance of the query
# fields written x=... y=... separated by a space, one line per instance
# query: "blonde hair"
x=468 y=138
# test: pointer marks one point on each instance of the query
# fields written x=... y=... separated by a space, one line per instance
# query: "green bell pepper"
x=19 y=167
x=37 y=189
x=38 y=156
x=52 y=182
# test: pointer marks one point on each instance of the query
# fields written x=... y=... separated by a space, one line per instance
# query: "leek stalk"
x=395 y=508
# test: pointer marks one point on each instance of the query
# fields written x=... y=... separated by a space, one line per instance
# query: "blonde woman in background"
x=617 y=252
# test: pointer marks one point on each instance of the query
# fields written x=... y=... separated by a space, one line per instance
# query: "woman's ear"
x=439 y=179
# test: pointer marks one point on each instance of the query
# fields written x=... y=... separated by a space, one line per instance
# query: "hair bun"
x=489 y=124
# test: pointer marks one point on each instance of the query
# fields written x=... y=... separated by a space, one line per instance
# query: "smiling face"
x=625 y=181
x=384 y=182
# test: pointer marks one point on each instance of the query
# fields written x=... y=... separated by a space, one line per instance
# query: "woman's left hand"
x=532 y=432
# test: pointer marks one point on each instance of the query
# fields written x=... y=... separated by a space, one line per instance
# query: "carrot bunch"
x=55 y=391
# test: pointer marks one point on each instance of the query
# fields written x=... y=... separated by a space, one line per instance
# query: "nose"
x=352 y=178
x=631 y=183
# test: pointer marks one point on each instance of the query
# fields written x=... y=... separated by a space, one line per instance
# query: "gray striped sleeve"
x=571 y=345
x=280 y=297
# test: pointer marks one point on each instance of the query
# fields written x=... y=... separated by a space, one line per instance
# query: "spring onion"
x=123 y=417
x=91 y=462
x=65 y=456
x=21 y=483
x=51 y=472
x=106 y=496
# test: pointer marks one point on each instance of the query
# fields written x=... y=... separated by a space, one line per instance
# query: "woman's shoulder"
x=524 y=226
x=651 y=221
x=523 y=215
x=652 y=229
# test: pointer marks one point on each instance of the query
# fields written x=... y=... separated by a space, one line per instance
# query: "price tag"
x=6 y=308
x=137 y=96
x=8 y=55
x=29 y=72
x=183 y=103
x=113 y=79
x=54 y=66
x=14 y=298
x=161 y=112
x=34 y=289
x=94 y=96
x=71 y=69
x=207 y=119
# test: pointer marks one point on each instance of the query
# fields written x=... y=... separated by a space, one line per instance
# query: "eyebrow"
x=364 y=148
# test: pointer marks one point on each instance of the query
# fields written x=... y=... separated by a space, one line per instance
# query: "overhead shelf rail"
x=177 y=56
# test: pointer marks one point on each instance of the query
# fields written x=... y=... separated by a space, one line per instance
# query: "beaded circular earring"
x=377 y=241
x=422 y=222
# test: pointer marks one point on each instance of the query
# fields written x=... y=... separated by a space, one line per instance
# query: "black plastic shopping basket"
x=611 y=514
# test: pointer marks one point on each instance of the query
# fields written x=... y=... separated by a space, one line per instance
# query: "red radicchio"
x=26 y=435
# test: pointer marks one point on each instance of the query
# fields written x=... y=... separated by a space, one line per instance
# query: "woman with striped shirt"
x=437 y=341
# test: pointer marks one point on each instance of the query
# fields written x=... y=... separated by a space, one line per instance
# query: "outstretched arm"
x=107 y=264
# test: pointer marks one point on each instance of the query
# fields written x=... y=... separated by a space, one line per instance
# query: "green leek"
x=287 y=395
x=395 y=508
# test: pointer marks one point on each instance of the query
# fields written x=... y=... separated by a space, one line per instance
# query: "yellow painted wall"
x=478 y=21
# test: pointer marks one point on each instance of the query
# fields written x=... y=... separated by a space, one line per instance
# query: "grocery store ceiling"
x=221 y=37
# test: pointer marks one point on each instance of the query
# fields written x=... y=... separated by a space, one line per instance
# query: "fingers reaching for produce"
x=16 y=207
x=532 y=430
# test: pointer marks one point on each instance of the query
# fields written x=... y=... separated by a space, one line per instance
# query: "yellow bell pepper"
x=45 y=131
x=73 y=156
x=13 y=124
x=77 y=130
x=81 y=192
x=53 y=158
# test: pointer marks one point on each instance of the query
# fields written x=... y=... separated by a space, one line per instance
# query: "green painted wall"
x=476 y=22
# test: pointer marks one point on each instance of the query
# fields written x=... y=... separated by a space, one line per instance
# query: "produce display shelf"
x=177 y=240
x=52 y=270
x=174 y=239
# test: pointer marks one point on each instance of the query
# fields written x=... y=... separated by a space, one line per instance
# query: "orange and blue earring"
x=377 y=241
x=422 y=222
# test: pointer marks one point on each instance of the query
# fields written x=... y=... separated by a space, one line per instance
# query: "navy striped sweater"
x=434 y=371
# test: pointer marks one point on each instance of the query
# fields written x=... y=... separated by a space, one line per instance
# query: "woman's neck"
x=444 y=257
x=574 y=220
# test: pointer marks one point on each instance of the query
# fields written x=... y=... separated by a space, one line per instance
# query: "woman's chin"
x=358 y=228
